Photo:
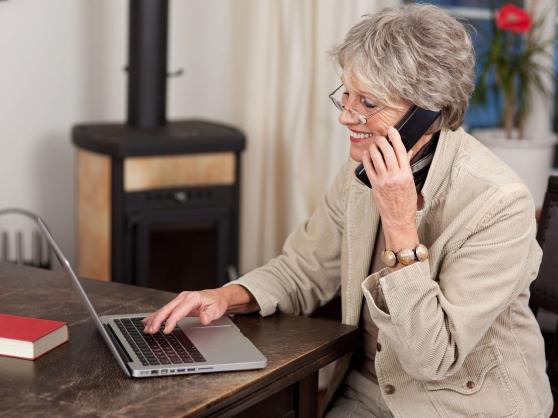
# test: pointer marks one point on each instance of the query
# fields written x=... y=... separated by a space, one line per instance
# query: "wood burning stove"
x=157 y=201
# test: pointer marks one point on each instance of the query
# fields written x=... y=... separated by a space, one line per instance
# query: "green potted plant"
x=516 y=68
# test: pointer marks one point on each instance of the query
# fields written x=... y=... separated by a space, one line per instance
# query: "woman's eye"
x=368 y=104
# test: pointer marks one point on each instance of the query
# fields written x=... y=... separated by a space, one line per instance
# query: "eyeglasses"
x=339 y=99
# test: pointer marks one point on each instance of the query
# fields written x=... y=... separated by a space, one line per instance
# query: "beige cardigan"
x=457 y=338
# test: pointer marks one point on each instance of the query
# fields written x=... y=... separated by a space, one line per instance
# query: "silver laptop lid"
x=77 y=285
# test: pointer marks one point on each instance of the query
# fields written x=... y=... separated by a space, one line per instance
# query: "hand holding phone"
x=411 y=128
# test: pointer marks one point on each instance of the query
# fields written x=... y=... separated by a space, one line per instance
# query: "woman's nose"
x=347 y=117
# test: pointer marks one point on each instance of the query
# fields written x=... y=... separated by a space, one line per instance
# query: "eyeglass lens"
x=340 y=98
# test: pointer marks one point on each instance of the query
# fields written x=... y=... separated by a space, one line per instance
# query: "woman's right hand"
x=208 y=305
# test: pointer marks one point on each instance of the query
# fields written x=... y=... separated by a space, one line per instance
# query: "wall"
x=62 y=63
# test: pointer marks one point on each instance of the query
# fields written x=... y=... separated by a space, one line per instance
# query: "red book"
x=29 y=338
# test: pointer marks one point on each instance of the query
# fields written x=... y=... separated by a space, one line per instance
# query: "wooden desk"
x=81 y=378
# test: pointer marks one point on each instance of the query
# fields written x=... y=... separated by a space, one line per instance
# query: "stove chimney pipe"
x=147 y=63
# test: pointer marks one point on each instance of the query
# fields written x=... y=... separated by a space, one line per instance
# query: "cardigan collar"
x=438 y=178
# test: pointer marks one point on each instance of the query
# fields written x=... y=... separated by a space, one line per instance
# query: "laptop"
x=190 y=348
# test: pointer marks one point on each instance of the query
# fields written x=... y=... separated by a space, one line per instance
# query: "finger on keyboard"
x=162 y=314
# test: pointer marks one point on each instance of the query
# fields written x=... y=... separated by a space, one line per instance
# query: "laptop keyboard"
x=159 y=348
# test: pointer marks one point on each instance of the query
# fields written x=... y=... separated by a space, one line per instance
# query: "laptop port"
x=180 y=370
x=191 y=369
x=164 y=371
x=205 y=368
x=154 y=371
x=171 y=371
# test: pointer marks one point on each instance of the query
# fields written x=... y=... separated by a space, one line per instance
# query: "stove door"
x=182 y=249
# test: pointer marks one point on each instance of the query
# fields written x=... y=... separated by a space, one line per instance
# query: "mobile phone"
x=411 y=127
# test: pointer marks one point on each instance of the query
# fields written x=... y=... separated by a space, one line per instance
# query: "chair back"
x=544 y=290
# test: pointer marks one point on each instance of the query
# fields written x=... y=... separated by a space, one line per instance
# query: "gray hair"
x=416 y=53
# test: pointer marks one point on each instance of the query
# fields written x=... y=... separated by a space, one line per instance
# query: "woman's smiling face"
x=362 y=135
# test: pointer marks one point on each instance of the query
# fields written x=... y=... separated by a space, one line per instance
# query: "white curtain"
x=283 y=76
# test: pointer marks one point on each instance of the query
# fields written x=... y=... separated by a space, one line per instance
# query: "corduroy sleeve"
x=433 y=323
x=307 y=274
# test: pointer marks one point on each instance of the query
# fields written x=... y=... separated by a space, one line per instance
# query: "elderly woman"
x=446 y=332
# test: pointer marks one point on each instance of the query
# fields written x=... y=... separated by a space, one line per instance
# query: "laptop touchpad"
x=221 y=341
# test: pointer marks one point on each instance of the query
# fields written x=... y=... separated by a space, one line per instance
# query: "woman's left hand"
x=389 y=170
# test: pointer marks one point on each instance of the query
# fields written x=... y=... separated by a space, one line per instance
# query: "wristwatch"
x=405 y=256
